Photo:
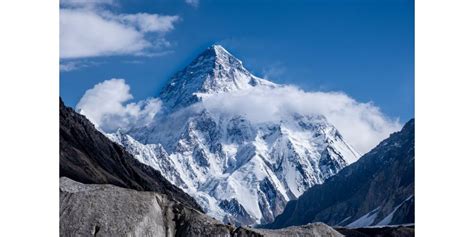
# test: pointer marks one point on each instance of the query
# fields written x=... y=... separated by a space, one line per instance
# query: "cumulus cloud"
x=362 y=124
x=105 y=106
x=194 y=3
x=88 y=29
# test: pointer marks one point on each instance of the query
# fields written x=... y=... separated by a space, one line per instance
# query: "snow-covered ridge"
x=238 y=170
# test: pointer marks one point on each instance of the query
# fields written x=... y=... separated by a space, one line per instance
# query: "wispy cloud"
x=193 y=3
x=87 y=3
x=145 y=22
x=88 y=29
x=133 y=61
x=67 y=66
x=274 y=71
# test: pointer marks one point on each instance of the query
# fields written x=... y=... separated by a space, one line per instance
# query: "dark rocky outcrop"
x=389 y=231
x=378 y=189
x=87 y=156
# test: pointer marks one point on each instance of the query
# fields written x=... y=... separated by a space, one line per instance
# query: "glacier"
x=240 y=171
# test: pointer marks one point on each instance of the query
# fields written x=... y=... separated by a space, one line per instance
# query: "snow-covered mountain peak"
x=214 y=71
x=223 y=56
x=238 y=169
x=214 y=57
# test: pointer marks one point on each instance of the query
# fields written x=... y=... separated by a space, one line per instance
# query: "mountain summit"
x=214 y=71
x=238 y=170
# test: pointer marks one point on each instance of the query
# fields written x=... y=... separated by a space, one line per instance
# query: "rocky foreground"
x=108 y=210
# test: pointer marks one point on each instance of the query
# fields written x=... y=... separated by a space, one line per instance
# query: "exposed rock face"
x=378 y=189
x=108 y=210
x=87 y=156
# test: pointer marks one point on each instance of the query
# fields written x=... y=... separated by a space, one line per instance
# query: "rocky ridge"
x=377 y=190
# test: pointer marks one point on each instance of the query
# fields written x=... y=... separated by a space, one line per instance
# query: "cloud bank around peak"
x=90 y=29
x=363 y=125
x=105 y=106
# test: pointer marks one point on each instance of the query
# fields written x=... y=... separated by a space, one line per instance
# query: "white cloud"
x=85 y=34
x=87 y=30
x=362 y=124
x=105 y=106
x=194 y=3
x=145 y=22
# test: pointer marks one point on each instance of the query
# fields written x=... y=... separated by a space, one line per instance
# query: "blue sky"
x=363 y=48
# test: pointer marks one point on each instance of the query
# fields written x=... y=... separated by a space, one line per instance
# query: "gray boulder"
x=108 y=210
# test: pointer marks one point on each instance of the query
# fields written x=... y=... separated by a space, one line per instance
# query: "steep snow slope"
x=239 y=171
